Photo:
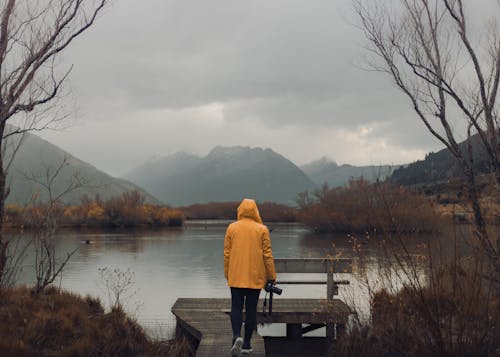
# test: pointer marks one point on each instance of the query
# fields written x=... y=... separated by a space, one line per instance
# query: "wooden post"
x=331 y=290
x=340 y=329
x=294 y=331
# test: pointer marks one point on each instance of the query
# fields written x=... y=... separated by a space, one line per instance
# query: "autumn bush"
x=361 y=206
x=127 y=210
x=13 y=215
x=59 y=323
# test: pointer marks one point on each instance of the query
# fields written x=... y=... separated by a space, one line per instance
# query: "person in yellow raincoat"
x=248 y=266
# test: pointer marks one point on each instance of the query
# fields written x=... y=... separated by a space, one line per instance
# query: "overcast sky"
x=153 y=77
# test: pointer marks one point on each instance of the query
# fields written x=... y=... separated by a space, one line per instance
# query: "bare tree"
x=32 y=36
x=450 y=75
x=118 y=283
x=45 y=217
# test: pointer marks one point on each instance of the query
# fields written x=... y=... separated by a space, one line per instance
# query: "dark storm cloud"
x=184 y=54
x=171 y=66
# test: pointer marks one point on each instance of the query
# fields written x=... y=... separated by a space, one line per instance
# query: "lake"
x=188 y=262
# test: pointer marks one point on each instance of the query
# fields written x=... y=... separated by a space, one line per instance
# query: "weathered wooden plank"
x=312 y=311
x=208 y=320
x=205 y=320
x=206 y=305
x=220 y=345
x=313 y=265
x=311 y=282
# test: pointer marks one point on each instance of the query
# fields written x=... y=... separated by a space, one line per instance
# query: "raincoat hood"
x=248 y=209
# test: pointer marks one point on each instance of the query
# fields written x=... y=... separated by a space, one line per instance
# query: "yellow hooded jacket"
x=248 y=257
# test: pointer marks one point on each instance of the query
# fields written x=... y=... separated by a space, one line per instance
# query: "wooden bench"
x=205 y=321
x=328 y=266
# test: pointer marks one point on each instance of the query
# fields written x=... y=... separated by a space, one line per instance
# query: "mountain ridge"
x=325 y=170
x=442 y=165
x=37 y=158
x=227 y=174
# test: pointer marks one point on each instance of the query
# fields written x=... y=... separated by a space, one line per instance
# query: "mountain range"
x=230 y=173
x=224 y=174
x=35 y=165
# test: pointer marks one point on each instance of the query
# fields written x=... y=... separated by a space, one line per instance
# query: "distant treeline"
x=127 y=210
x=360 y=206
x=269 y=211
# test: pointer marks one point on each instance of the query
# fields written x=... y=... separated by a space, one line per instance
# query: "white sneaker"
x=236 y=349
x=246 y=351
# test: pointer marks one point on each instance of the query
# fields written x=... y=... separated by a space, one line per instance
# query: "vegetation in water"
x=362 y=206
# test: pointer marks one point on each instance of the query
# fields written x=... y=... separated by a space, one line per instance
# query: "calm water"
x=167 y=264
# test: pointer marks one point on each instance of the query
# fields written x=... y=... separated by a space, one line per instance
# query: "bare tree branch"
x=419 y=44
x=32 y=35
x=46 y=215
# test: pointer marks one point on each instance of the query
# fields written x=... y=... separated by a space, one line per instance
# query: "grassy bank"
x=59 y=323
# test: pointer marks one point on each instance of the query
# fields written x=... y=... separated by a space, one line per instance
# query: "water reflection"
x=188 y=262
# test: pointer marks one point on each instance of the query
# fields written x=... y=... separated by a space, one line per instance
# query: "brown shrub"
x=58 y=323
x=13 y=215
x=455 y=314
x=366 y=207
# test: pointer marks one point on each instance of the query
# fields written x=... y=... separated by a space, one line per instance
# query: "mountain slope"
x=442 y=165
x=327 y=171
x=225 y=174
x=172 y=165
x=37 y=157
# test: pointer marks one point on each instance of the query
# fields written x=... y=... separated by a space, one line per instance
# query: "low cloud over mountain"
x=225 y=174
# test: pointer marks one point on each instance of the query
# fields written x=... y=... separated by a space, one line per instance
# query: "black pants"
x=250 y=297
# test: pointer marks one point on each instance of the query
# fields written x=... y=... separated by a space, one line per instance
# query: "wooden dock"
x=207 y=320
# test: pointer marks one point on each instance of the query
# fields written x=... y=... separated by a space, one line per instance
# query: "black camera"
x=271 y=288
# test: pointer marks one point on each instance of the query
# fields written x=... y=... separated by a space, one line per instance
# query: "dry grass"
x=434 y=326
x=442 y=302
x=58 y=323
x=462 y=212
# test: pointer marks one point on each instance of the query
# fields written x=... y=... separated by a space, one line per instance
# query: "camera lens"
x=277 y=290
